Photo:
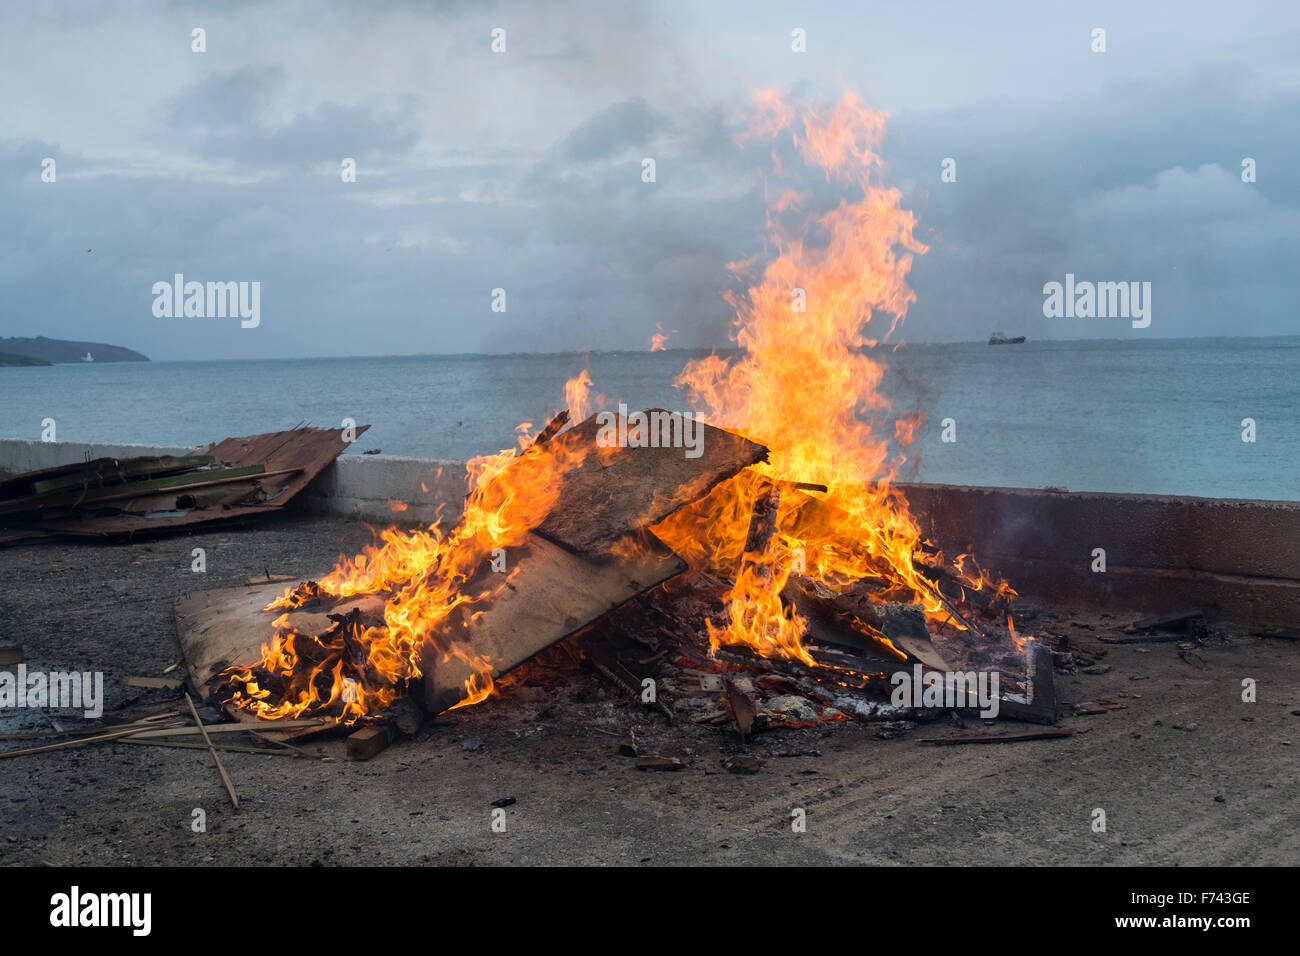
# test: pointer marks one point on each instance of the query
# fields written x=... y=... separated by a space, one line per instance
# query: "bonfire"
x=821 y=517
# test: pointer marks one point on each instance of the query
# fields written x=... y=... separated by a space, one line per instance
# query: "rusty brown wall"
x=1242 y=557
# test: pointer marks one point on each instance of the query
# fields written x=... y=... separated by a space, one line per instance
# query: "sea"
x=1158 y=417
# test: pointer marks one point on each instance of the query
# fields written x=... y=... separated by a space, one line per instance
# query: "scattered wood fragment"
x=1282 y=633
x=1092 y=708
x=743 y=710
x=1156 y=637
x=553 y=427
x=162 y=718
x=80 y=741
x=318 y=723
x=154 y=683
x=659 y=763
x=999 y=739
x=599 y=655
x=800 y=485
x=216 y=758
x=109 y=471
x=1185 y=617
x=369 y=742
x=223 y=747
x=1041 y=705
x=269 y=578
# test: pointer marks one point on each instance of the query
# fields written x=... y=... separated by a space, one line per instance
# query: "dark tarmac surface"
x=1186 y=772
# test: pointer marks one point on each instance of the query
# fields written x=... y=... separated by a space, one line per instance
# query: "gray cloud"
x=523 y=171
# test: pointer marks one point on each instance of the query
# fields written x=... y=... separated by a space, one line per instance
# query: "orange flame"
x=424 y=575
x=658 y=338
x=804 y=385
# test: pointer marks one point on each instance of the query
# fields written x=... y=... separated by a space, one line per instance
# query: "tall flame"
x=804 y=384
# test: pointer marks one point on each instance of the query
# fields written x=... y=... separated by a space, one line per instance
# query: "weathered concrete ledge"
x=1161 y=552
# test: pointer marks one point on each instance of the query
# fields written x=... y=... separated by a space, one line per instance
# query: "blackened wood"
x=1185 y=617
x=555 y=424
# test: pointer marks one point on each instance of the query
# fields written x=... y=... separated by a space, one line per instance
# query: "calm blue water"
x=1157 y=417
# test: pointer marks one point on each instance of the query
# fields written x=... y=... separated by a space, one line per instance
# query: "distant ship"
x=88 y=357
x=997 y=338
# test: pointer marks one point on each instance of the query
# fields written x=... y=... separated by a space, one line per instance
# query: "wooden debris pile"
x=592 y=586
x=237 y=477
x=590 y=554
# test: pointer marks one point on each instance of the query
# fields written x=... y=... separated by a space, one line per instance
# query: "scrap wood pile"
x=237 y=477
x=590 y=575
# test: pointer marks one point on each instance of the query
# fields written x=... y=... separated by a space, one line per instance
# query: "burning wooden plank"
x=590 y=554
x=622 y=488
x=551 y=594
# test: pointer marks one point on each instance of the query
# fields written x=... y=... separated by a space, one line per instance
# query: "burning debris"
x=787 y=577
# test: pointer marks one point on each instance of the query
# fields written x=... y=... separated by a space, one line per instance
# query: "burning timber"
x=452 y=613
x=591 y=565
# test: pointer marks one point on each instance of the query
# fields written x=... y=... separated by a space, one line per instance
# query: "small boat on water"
x=997 y=338
x=88 y=357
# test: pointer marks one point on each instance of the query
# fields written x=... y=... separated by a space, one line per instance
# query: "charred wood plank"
x=550 y=594
x=620 y=489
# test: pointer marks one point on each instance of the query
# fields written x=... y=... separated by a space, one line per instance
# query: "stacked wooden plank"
x=232 y=478
x=590 y=555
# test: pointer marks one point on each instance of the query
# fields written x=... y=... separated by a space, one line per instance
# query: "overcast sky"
x=522 y=170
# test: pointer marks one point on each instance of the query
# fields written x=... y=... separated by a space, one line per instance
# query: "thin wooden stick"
x=1001 y=739
x=240 y=728
x=75 y=742
x=951 y=610
x=143 y=723
x=225 y=777
x=195 y=745
x=263 y=738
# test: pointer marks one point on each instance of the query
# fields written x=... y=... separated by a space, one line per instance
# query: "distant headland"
x=43 y=351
